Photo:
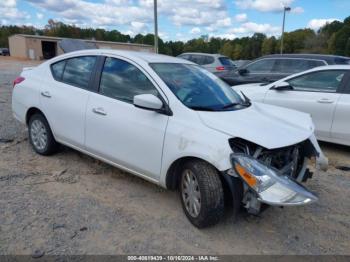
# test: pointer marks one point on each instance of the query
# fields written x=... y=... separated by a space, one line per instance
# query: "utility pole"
x=155 y=27
x=285 y=9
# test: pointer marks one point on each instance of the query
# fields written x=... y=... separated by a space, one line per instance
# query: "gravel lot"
x=72 y=204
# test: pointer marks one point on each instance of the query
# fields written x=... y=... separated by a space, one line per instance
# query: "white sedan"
x=323 y=92
x=173 y=123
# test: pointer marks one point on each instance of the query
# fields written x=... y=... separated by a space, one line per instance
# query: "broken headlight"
x=272 y=188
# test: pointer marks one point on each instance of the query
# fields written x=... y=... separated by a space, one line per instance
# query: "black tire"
x=51 y=145
x=211 y=193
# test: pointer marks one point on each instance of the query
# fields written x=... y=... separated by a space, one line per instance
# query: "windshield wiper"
x=202 y=108
x=231 y=105
x=247 y=101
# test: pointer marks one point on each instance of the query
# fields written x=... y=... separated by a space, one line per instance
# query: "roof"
x=133 y=55
x=315 y=69
x=53 y=38
x=207 y=54
x=331 y=59
x=328 y=67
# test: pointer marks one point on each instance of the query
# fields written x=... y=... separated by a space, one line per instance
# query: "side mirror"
x=148 y=102
x=243 y=71
x=282 y=86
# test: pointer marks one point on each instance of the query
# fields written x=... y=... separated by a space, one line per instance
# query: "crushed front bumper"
x=264 y=183
x=269 y=186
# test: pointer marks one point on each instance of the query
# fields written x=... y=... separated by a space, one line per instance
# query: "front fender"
x=195 y=141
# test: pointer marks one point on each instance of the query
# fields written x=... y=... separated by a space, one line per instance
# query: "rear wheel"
x=201 y=193
x=40 y=135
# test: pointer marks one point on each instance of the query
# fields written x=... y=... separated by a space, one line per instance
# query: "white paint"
x=145 y=142
x=330 y=111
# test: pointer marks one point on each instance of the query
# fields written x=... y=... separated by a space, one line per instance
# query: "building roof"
x=53 y=38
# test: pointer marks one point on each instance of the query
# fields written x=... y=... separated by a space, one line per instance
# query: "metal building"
x=36 y=47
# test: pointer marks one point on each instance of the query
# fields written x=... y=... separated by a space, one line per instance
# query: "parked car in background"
x=239 y=63
x=323 y=92
x=233 y=64
x=214 y=63
x=173 y=123
x=4 y=51
x=271 y=68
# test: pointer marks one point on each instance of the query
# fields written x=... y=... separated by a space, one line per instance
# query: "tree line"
x=333 y=38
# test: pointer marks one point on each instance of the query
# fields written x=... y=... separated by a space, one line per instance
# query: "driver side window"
x=122 y=80
x=321 y=81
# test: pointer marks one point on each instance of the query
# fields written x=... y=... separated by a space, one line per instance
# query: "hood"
x=268 y=126
x=251 y=88
x=247 y=86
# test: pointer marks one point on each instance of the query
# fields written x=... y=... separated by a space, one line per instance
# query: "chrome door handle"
x=99 y=111
x=325 y=101
x=46 y=94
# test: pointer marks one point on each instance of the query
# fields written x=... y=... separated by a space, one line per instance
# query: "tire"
x=204 y=179
x=40 y=135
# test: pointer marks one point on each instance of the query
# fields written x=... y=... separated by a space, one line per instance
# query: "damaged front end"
x=274 y=176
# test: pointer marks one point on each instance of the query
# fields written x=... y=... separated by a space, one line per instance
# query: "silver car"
x=214 y=63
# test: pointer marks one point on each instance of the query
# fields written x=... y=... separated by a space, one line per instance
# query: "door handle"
x=325 y=101
x=99 y=111
x=46 y=94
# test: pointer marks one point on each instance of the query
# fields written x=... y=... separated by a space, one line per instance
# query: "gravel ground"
x=70 y=203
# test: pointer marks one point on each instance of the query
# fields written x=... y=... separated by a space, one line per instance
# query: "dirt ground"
x=70 y=203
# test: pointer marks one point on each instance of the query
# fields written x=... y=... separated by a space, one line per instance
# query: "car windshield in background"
x=198 y=89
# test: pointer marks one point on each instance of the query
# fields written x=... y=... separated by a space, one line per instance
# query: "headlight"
x=271 y=187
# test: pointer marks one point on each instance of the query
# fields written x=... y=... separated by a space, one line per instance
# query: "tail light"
x=220 y=68
x=18 y=80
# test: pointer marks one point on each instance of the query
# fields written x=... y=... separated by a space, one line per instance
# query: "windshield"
x=197 y=88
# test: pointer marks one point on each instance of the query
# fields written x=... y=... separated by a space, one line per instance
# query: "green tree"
x=196 y=45
x=340 y=40
x=227 y=50
x=268 y=46
x=237 y=52
x=333 y=38
x=347 y=48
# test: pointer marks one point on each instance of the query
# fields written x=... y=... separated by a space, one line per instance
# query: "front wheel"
x=201 y=193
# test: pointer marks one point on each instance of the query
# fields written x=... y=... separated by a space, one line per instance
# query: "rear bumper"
x=19 y=111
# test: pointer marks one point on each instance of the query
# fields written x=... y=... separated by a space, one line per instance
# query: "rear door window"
x=261 y=66
x=198 y=59
x=57 y=70
x=290 y=66
x=208 y=60
x=78 y=71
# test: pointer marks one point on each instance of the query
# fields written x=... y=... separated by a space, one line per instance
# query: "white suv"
x=214 y=63
x=173 y=123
